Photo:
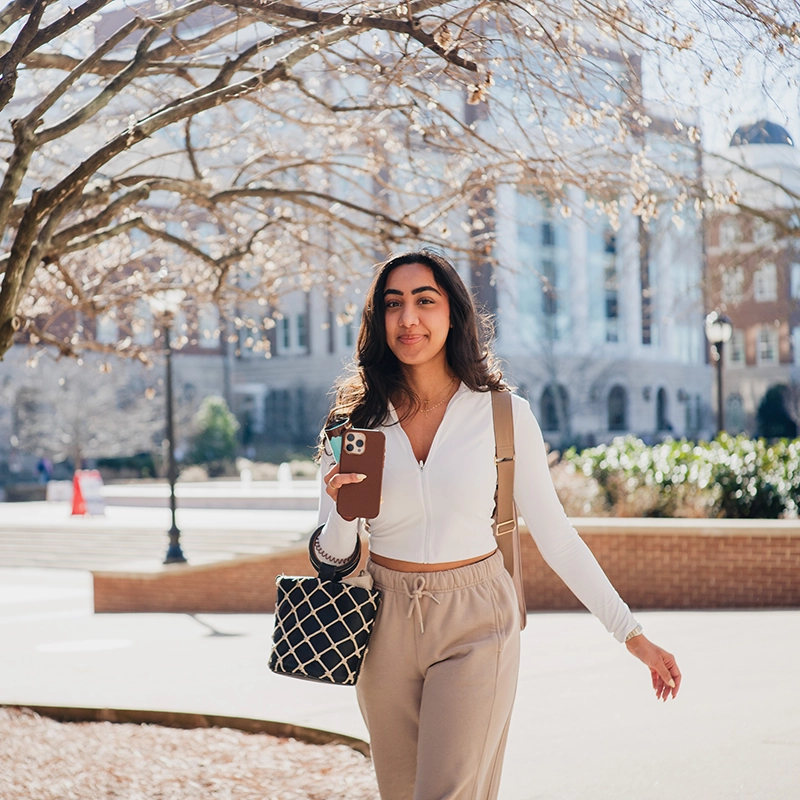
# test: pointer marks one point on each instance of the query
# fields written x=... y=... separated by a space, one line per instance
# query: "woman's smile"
x=409 y=338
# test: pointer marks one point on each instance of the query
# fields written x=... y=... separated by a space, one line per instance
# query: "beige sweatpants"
x=438 y=702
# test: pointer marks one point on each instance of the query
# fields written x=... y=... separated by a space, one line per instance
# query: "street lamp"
x=165 y=305
x=719 y=330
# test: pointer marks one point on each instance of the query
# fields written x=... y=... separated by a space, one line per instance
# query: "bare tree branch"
x=68 y=21
x=14 y=11
x=409 y=27
x=80 y=69
x=297 y=134
x=108 y=93
x=11 y=58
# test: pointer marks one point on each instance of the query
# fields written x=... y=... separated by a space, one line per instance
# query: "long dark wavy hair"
x=363 y=393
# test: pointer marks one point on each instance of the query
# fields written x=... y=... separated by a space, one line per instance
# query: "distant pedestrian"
x=45 y=469
x=437 y=685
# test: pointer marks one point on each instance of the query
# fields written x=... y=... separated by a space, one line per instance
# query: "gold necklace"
x=428 y=408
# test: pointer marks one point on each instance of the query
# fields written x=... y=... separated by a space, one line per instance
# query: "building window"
x=549 y=295
x=208 y=326
x=765 y=283
x=732 y=290
x=188 y=393
x=554 y=408
x=796 y=345
x=728 y=233
x=106 y=329
x=768 y=346
x=286 y=334
x=734 y=350
x=279 y=411
x=662 y=420
x=350 y=334
x=763 y=231
x=795 y=281
x=611 y=286
x=734 y=413
x=250 y=340
x=646 y=286
x=302 y=331
x=542 y=253
x=617 y=409
x=604 y=282
x=348 y=321
x=549 y=274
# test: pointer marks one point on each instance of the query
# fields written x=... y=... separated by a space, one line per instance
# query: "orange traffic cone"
x=78 y=503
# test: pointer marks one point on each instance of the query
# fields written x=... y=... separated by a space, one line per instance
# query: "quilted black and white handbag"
x=323 y=624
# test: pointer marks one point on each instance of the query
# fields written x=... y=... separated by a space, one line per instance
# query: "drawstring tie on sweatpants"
x=415 y=594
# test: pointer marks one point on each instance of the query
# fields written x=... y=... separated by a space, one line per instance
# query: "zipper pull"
x=421 y=465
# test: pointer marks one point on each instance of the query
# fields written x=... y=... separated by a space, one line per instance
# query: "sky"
x=765 y=85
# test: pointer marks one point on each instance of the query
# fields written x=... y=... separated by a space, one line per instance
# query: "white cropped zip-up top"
x=441 y=510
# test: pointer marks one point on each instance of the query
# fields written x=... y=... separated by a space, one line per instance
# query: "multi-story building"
x=754 y=267
x=600 y=327
x=599 y=323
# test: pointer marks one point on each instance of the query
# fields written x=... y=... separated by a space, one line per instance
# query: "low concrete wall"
x=24 y=492
x=653 y=563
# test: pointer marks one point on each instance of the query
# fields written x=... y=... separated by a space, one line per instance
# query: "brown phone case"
x=363 y=451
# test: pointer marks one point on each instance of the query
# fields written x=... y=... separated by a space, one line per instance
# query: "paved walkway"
x=45 y=535
x=585 y=725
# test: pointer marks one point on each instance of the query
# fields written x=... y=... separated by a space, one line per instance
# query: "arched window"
x=734 y=413
x=662 y=419
x=26 y=410
x=617 y=409
x=554 y=407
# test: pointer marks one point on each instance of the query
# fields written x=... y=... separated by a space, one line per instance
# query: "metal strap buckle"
x=509 y=525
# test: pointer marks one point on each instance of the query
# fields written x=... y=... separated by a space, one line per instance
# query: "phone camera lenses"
x=360 y=443
x=349 y=448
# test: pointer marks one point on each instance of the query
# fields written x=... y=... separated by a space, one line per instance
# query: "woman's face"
x=417 y=315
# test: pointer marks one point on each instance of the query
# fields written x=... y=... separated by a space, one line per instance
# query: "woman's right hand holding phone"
x=334 y=480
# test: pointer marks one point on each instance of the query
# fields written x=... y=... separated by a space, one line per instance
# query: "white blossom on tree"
x=238 y=149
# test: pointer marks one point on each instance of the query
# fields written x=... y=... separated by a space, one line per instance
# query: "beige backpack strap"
x=506 y=530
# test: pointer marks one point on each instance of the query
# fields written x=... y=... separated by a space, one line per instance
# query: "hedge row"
x=734 y=477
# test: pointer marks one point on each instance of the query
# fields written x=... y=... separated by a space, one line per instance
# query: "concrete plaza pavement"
x=585 y=726
x=44 y=534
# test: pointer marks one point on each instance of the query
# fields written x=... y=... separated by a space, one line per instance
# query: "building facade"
x=601 y=329
x=754 y=268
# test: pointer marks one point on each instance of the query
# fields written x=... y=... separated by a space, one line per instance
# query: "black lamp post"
x=166 y=305
x=719 y=330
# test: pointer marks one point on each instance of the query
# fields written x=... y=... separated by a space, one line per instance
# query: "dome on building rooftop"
x=761 y=132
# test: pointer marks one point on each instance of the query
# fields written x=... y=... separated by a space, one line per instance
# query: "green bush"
x=732 y=477
x=747 y=472
x=214 y=441
x=142 y=465
x=773 y=420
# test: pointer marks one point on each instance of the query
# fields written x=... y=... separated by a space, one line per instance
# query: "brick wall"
x=652 y=563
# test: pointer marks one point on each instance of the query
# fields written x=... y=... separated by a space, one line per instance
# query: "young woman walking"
x=438 y=683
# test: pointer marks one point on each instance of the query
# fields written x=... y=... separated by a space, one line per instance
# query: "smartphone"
x=363 y=451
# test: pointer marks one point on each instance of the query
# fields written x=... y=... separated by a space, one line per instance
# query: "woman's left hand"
x=663 y=668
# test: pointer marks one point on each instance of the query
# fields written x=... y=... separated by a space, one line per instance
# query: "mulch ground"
x=41 y=759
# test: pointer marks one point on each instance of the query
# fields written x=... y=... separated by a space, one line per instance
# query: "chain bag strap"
x=506 y=529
